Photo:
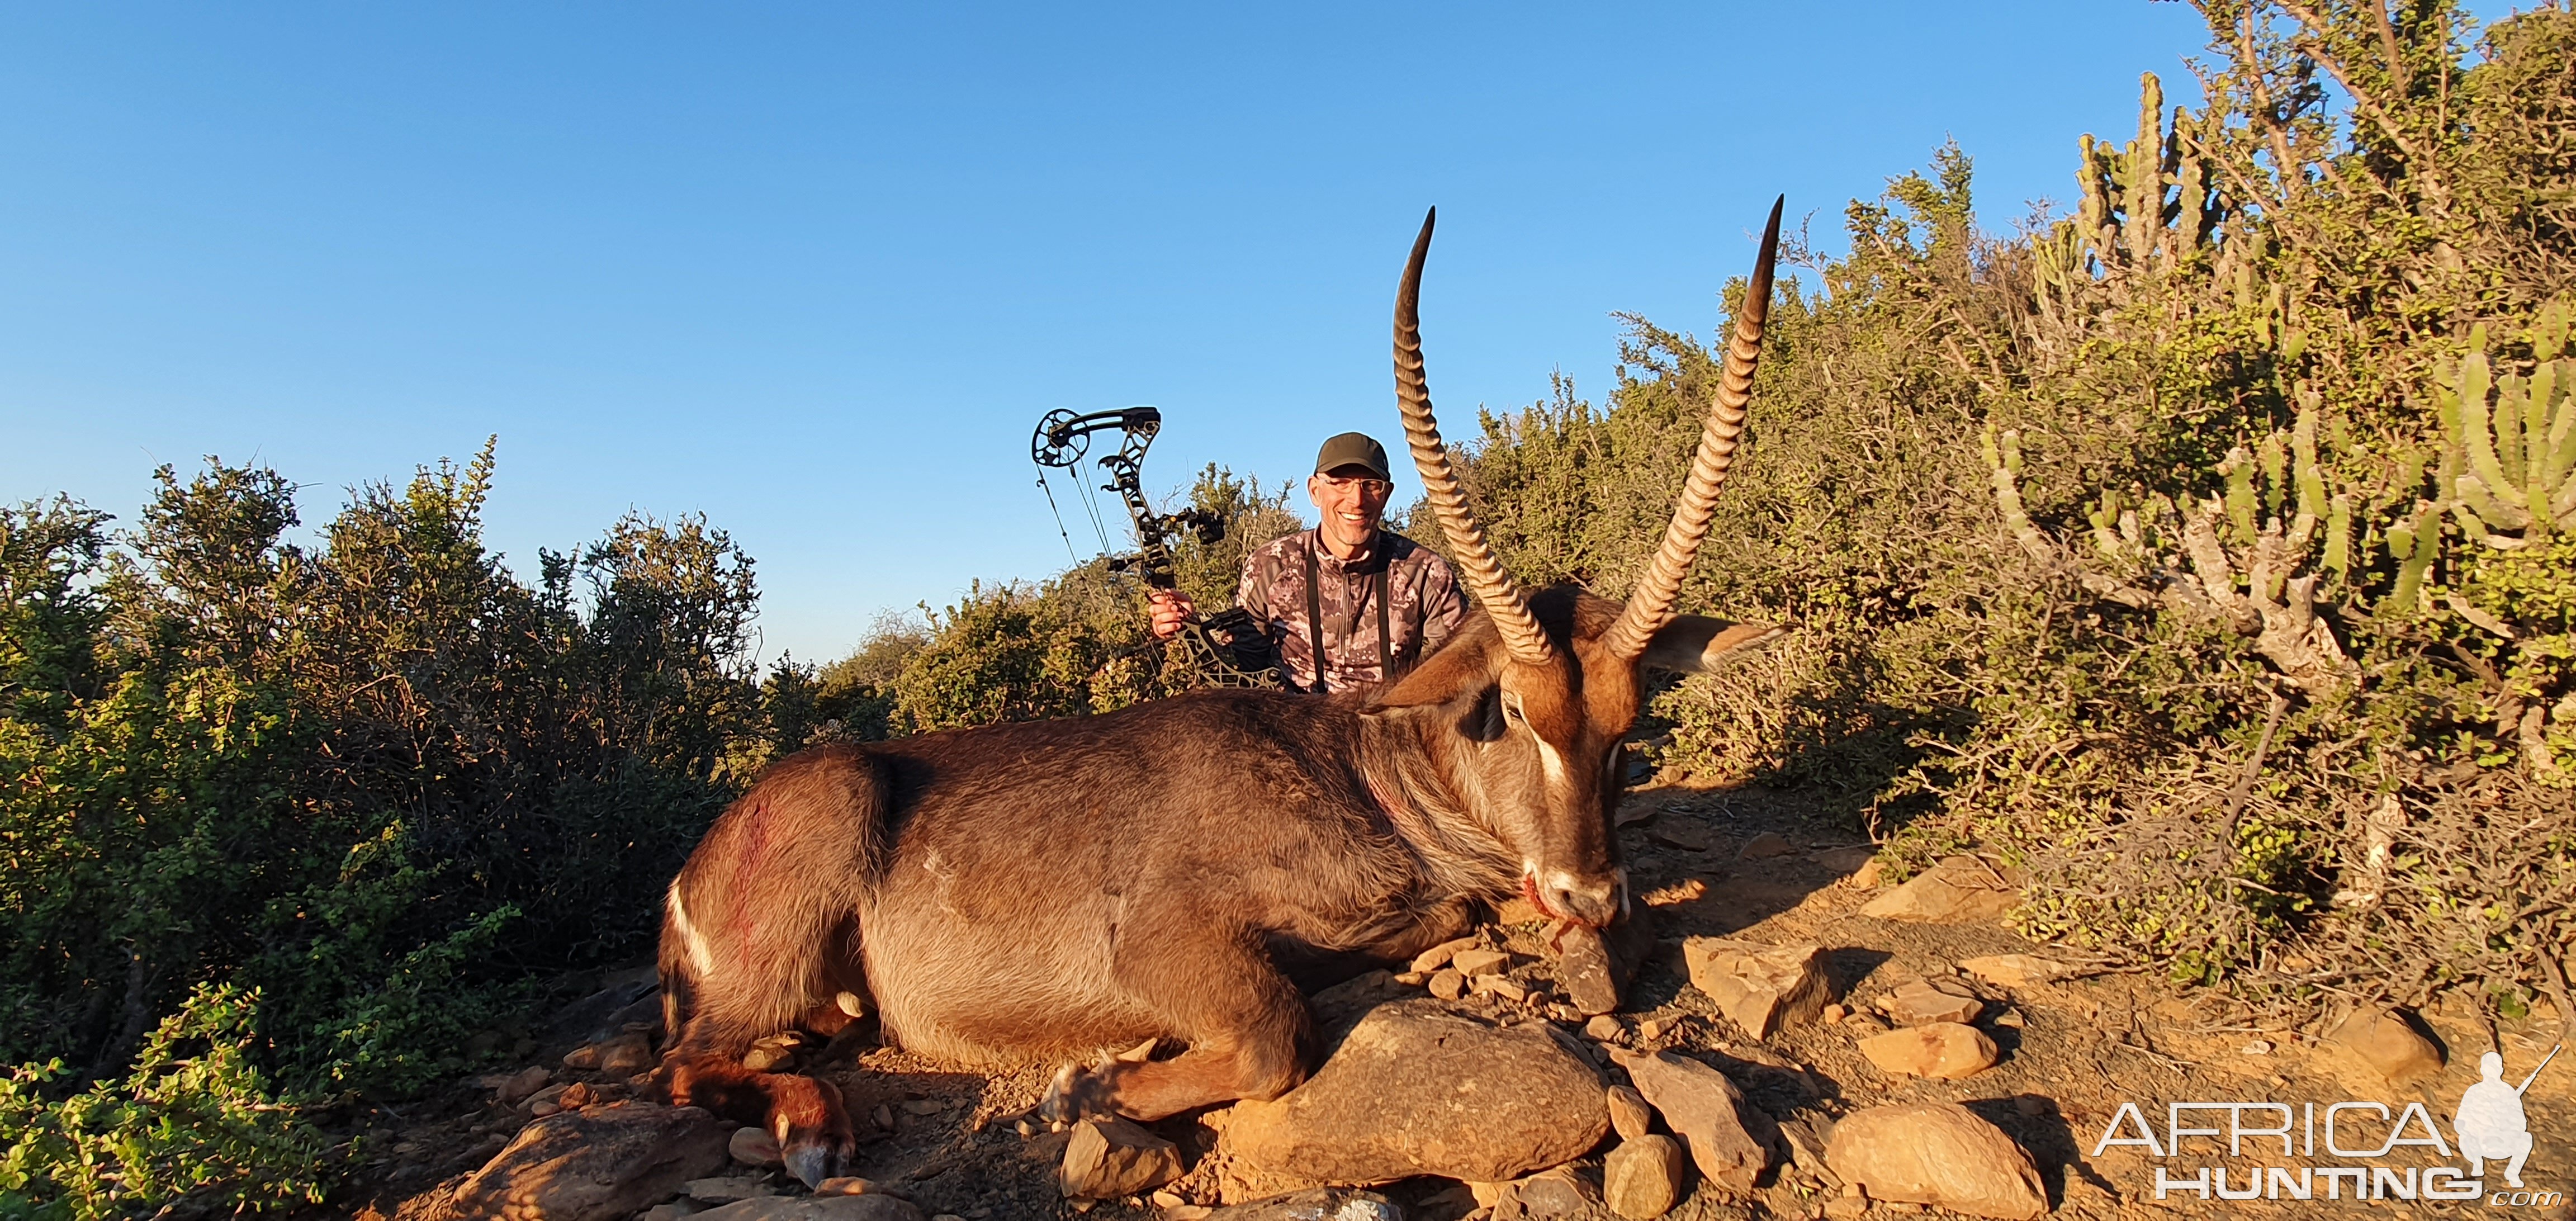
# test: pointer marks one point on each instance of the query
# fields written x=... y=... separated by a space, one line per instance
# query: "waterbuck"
x=1039 y=891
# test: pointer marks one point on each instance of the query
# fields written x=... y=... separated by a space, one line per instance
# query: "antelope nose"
x=1594 y=903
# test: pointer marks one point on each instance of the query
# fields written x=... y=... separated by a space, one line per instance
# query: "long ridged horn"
x=1484 y=575
x=1651 y=606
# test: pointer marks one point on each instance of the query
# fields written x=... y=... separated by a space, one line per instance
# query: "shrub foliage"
x=378 y=783
x=2204 y=552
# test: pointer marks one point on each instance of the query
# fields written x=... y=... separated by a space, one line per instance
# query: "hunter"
x=1349 y=603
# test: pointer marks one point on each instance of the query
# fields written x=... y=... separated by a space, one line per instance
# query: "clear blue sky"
x=815 y=271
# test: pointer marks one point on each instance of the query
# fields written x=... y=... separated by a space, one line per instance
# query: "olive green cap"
x=1353 y=449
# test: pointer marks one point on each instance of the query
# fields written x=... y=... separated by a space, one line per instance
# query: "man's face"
x=1350 y=501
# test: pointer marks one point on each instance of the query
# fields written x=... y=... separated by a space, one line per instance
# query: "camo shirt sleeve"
x=1274 y=591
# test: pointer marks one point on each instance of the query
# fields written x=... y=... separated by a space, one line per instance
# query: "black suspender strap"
x=1314 y=617
x=1385 y=642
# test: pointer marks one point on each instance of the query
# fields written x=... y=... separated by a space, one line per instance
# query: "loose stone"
x=1760 y=847
x=1110 y=1158
x=2383 y=1042
x=1940 y=1154
x=1439 y=955
x=1643 y=1177
x=521 y=1084
x=1416 y=1089
x=754 y=1147
x=2015 y=970
x=1480 y=962
x=1945 y=1050
x=1761 y=988
x=1629 y=1113
x=628 y=1053
x=1729 y=1138
x=1674 y=835
x=1957 y=890
x=1583 y=970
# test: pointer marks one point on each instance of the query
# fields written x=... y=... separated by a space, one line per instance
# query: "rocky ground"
x=1794 y=1039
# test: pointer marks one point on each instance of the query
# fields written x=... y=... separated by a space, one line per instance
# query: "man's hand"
x=1172 y=609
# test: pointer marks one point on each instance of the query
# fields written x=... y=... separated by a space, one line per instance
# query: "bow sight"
x=1227 y=649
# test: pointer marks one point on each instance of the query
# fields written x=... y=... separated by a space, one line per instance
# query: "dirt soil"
x=2073 y=1052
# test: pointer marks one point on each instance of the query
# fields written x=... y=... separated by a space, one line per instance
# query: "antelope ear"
x=1693 y=643
x=1459 y=667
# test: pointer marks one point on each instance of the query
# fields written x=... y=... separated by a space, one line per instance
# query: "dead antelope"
x=1046 y=891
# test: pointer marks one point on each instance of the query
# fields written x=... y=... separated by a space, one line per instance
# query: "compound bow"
x=1227 y=649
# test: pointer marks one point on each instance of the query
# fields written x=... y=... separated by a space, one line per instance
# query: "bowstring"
x=1091 y=505
x=1049 y=489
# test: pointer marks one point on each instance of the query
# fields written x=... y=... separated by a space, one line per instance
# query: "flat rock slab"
x=1761 y=988
x=1416 y=1088
x=814 y=1208
x=1472 y=963
x=1946 y=1050
x=1939 y=1154
x=1729 y=1138
x=599 y=1163
x=1957 y=890
x=2016 y=970
x=1921 y=1004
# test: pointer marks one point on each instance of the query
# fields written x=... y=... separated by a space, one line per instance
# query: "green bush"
x=2185 y=551
x=1073 y=645
x=379 y=784
x=195 y=1120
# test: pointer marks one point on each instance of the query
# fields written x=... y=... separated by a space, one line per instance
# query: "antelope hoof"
x=1077 y=1094
x=813 y=1156
x=814 y=1139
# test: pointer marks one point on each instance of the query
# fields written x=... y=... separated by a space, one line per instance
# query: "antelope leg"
x=804 y=1113
x=1215 y=989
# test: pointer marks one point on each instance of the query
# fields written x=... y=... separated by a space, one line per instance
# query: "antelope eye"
x=1485 y=722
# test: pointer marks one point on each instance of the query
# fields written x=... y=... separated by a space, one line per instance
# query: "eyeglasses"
x=1370 y=487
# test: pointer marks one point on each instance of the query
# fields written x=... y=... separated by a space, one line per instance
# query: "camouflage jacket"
x=1423 y=605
